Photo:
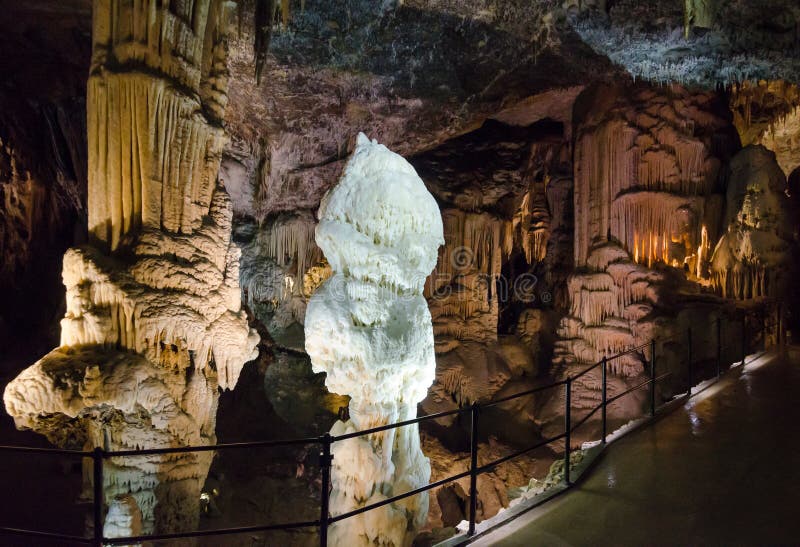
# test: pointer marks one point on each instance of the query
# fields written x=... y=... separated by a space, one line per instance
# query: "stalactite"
x=462 y=286
x=152 y=142
x=754 y=250
x=645 y=177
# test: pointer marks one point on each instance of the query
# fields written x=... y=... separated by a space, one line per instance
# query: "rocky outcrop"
x=647 y=181
x=768 y=113
x=647 y=173
x=417 y=73
x=90 y=396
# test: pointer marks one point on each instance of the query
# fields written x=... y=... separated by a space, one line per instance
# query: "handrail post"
x=605 y=398
x=97 y=496
x=719 y=346
x=473 y=468
x=325 y=461
x=744 y=338
x=652 y=377
x=689 y=350
x=567 y=428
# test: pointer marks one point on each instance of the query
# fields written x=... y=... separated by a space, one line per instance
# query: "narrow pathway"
x=723 y=469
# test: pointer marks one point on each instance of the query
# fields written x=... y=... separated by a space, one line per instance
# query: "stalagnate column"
x=368 y=327
x=155 y=101
x=154 y=325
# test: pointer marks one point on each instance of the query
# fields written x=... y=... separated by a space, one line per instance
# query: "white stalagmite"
x=154 y=324
x=368 y=327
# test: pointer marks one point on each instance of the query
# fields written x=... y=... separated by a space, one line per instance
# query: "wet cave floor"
x=719 y=470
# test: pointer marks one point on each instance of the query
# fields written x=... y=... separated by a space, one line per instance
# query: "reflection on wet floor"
x=723 y=469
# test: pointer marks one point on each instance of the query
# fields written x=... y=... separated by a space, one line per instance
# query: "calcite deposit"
x=751 y=258
x=369 y=329
x=585 y=167
x=154 y=325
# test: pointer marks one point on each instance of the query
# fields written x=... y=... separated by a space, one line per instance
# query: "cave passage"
x=721 y=458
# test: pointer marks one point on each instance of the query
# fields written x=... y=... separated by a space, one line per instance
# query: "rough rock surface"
x=491 y=101
x=768 y=113
x=368 y=327
x=153 y=303
x=46 y=49
x=725 y=41
x=647 y=177
x=751 y=257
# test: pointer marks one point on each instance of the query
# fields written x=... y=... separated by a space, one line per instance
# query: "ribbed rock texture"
x=579 y=217
x=751 y=259
x=154 y=324
x=369 y=329
x=648 y=166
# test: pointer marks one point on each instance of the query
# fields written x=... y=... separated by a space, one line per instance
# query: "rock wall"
x=768 y=113
x=572 y=209
x=648 y=181
x=647 y=173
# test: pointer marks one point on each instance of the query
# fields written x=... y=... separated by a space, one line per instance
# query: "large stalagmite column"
x=368 y=327
x=154 y=325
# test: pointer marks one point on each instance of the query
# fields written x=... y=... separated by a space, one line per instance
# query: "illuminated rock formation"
x=646 y=197
x=646 y=174
x=463 y=300
x=124 y=519
x=768 y=113
x=280 y=269
x=155 y=142
x=753 y=253
x=154 y=325
x=368 y=327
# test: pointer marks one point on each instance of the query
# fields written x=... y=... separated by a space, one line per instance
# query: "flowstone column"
x=154 y=325
x=368 y=327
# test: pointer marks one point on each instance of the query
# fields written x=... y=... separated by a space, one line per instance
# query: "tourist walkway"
x=723 y=469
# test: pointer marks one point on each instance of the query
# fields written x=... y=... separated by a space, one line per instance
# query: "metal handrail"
x=48 y=535
x=206 y=533
x=412 y=421
x=507 y=398
x=208 y=448
x=99 y=455
x=398 y=497
x=503 y=459
x=44 y=450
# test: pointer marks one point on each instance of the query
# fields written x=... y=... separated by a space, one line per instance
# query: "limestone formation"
x=646 y=174
x=124 y=519
x=646 y=180
x=154 y=324
x=751 y=258
x=368 y=327
x=768 y=113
